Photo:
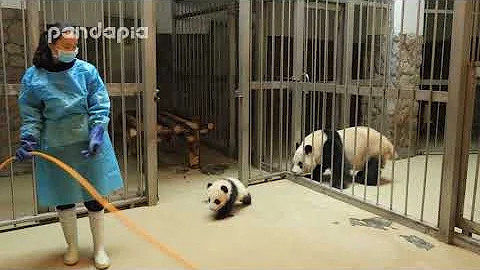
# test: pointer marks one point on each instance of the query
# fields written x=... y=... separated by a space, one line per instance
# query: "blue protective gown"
x=59 y=109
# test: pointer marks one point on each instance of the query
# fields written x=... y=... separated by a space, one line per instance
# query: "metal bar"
x=150 y=106
x=260 y=41
x=199 y=12
x=461 y=34
x=385 y=35
x=96 y=40
x=84 y=39
x=244 y=86
x=54 y=214
x=280 y=113
x=359 y=49
x=314 y=75
x=33 y=20
x=110 y=69
x=124 y=109
x=441 y=70
x=298 y=40
x=114 y=89
x=287 y=137
x=140 y=184
x=429 y=109
x=7 y=115
x=44 y=10
x=370 y=72
x=404 y=93
x=272 y=75
x=471 y=93
x=468 y=116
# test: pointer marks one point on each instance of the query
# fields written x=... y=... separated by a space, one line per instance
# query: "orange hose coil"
x=123 y=218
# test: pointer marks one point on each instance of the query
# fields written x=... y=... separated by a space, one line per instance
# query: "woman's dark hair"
x=43 y=56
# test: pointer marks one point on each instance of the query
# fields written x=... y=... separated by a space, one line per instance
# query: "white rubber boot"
x=68 y=222
x=102 y=261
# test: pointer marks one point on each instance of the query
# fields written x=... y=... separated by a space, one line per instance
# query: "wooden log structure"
x=192 y=135
x=170 y=126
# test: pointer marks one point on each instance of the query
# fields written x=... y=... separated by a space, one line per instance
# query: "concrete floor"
x=287 y=226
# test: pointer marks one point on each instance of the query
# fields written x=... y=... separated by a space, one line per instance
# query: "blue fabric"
x=96 y=141
x=27 y=145
x=59 y=109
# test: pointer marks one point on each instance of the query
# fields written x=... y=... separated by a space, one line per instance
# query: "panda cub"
x=223 y=194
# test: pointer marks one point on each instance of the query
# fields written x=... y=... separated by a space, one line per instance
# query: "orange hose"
x=124 y=219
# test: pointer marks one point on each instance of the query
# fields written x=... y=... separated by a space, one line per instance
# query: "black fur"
x=247 y=200
x=333 y=159
x=372 y=172
x=225 y=210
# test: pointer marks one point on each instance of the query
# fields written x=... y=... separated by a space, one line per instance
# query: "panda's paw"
x=224 y=216
x=247 y=199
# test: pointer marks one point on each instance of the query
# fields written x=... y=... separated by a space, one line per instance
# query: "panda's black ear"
x=297 y=145
x=209 y=185
x=224 y=189
x=308 y=149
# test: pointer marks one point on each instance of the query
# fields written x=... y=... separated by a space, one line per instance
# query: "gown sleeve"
x=98 y=101
x=30 y=109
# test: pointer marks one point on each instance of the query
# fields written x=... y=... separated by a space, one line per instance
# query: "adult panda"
x=361 y=146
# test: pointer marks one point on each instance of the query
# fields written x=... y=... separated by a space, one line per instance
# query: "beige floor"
x=287 y=226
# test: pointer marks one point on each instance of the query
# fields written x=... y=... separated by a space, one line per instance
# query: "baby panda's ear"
x=308 y=149
x=224 y=189
x=209 y=185
x=297 y=145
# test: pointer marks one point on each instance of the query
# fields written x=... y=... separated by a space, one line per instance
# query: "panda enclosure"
x=266 y=74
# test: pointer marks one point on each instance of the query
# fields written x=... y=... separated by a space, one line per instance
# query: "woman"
x=65 y=112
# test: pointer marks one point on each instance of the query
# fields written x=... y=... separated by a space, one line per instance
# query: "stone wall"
x=14 y=59
x=404 y=113
x=397 y=119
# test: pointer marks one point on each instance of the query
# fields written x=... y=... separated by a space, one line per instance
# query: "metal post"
x=33 y=20
x=347 y=59
x=260 y=67
x=232 y=43
x=298 y=42
x=150 y=106
x=244 y=64
x=460 y=52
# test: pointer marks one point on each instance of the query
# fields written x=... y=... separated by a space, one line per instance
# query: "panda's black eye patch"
x=300 y=164
x=224 y=189
x=217 y=201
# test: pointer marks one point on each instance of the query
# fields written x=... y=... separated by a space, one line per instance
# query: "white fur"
x=367 y=145
x=309 y=161
x=214 y=192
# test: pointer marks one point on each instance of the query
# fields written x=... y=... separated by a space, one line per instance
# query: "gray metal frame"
x=459 y=99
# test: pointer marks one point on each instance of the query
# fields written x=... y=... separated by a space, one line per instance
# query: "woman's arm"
x=98 y=101
x=30 y=107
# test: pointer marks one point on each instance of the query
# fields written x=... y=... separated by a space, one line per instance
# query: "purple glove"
x=27 y=145
x=96 y=141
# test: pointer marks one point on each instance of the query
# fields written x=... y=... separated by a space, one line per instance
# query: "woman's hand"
x=96 y=141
